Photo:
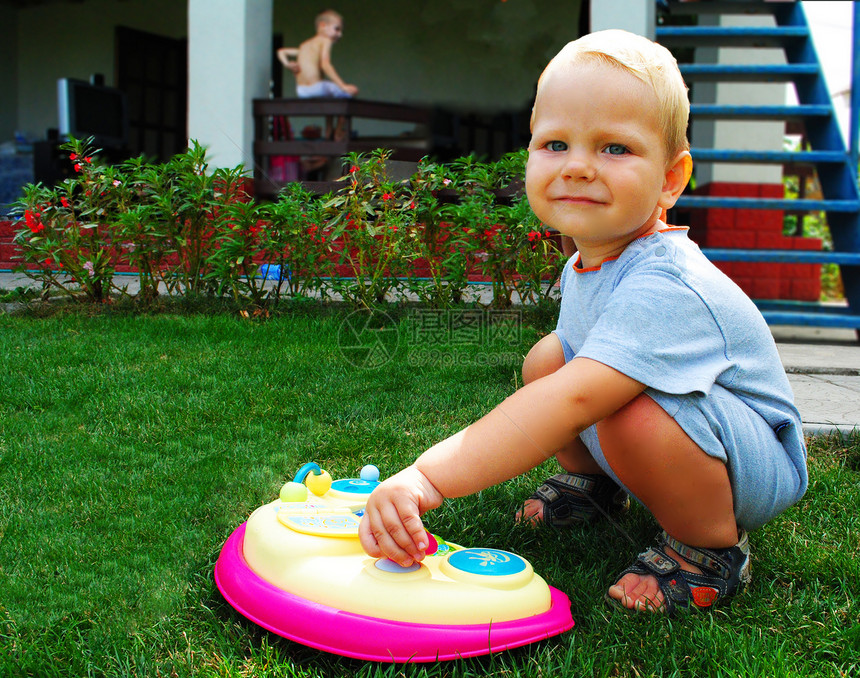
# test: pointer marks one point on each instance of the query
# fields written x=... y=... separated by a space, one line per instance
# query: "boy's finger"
x=416 y=531
x=395 y=539
x=368 y=541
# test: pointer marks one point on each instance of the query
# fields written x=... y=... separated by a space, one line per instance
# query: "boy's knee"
x=630 y=425
x=544 y=358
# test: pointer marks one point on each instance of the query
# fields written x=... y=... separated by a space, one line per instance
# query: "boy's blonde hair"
x=326 y=17
x=651 y=63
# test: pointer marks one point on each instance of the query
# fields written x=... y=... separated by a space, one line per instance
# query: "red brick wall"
x=725 y=228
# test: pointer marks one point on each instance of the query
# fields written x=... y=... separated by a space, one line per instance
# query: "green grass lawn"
x=132 y=445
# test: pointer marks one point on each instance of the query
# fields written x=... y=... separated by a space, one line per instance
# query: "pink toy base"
x=354 y=635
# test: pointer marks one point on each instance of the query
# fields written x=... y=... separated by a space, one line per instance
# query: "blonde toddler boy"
x=661 y=380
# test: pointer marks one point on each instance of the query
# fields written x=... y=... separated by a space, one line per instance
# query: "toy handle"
x=304 y=470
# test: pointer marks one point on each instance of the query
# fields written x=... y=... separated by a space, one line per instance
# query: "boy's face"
x=597 y=167
x=332 y=29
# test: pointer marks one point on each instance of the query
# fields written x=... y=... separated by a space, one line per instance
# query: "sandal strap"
x=705 y=559
x=578 y=482
x=725 y=572
x=571 y=497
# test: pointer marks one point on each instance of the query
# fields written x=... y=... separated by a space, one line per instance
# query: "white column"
x=733 y=134
x=636 y=16
x=229 y=64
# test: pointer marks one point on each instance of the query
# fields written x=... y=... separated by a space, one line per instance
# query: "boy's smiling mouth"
x=578 y=200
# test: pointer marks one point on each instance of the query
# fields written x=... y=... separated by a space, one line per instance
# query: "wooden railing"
x=269 y=150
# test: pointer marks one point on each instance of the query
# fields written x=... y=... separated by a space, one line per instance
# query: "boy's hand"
x=391 y=525
x=352 y=90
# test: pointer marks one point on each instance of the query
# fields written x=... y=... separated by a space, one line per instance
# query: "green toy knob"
x=293 y=491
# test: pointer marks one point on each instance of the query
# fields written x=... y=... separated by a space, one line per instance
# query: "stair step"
x=768 y=157
x=702 y=202
x=726 y=7
x=724 y=36
x=748 y=73
x=761 y=112
x=784 y=256
x=823 y=317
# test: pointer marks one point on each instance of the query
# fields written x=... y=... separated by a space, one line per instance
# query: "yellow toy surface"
x=310 y=548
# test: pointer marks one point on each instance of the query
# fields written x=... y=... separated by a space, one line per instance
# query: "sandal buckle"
x=658 y=562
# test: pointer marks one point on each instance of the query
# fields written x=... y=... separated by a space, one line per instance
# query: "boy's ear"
x=676 y=179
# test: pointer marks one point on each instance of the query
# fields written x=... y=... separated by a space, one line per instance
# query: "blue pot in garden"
x=273 y=272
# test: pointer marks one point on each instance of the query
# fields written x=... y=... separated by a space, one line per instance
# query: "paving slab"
x=827 y=403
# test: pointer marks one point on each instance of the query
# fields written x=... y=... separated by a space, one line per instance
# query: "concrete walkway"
x=823 y=366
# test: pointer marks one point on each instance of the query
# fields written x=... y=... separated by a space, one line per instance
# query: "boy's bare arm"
x=288 y=56
x=527 y=428
x=328 y=68
x=522 y=432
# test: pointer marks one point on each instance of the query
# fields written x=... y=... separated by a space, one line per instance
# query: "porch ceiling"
x=23 y=4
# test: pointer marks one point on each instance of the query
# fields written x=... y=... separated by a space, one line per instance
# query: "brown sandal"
x=570 y=498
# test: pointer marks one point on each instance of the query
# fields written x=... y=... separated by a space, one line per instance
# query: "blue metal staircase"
x=835 y=165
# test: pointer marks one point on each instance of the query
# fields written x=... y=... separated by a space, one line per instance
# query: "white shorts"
x=323 y=88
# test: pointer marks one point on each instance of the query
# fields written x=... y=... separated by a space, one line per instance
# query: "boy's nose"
x=580 y=166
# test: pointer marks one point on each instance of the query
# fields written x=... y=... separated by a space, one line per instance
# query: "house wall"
x=8 y=74
x=733 y=134
x=484 y=55
x=74 y=40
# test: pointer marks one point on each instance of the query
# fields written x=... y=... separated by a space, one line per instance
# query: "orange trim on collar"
x=598 y=267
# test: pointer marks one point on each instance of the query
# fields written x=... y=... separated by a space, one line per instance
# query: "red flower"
x=73 y=156
x=387 y=196
x=393 y=229
x=88 y=159
x=77 y=167
x=65 y=201
x=412 y=205
x=354 y=168
x=534 y=235
x=32 y=219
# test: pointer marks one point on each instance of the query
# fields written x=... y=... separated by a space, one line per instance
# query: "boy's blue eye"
x=557 y=146
x=616 y=149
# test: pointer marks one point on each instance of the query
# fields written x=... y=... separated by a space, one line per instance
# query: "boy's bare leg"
x=687 y=491
x=544 y=358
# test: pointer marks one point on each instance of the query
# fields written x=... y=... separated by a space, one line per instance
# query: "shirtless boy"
x=311 y=60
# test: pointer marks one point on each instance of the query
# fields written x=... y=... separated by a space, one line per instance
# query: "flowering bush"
x=186 y=230
x=440 y=266
x=299 y=243
x=64 y=244
x=373 y=225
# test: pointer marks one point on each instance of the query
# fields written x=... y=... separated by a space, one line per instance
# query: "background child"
x=312 y=59
x=661 y=378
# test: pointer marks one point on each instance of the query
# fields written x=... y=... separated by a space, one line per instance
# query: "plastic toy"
x=296 y=568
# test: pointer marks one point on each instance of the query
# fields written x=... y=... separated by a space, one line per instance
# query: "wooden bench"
x=410 y=147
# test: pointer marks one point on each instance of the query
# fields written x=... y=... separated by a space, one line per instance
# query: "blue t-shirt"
x=664 y=315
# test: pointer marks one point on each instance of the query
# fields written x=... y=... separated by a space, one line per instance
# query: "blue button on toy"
x=487 y=562
x=354 y=486
x=387 y=565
